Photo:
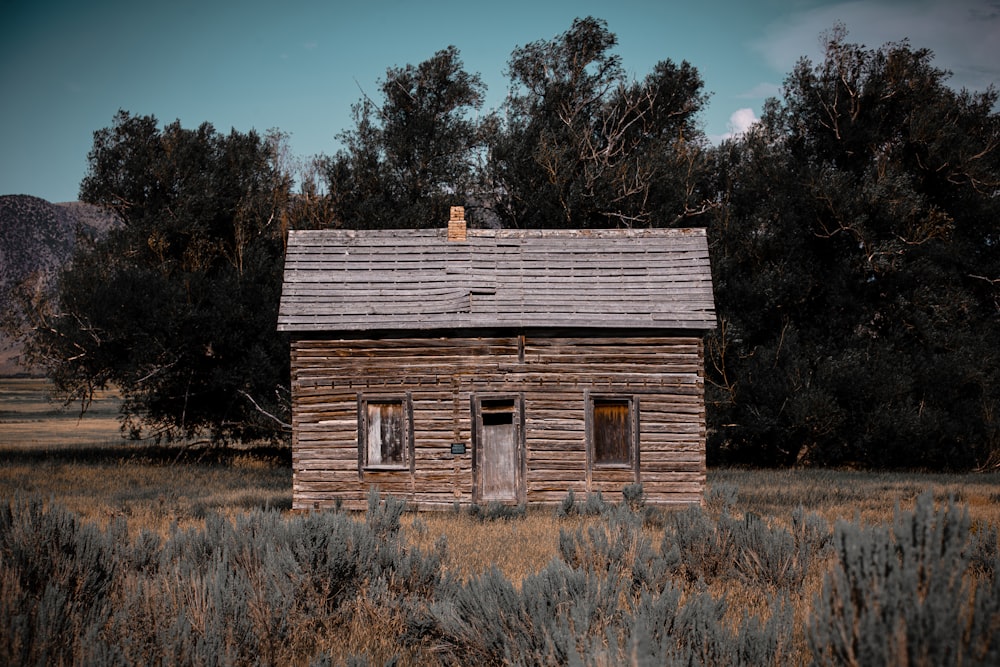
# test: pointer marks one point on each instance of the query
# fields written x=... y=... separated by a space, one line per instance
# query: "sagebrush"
x=332 y=588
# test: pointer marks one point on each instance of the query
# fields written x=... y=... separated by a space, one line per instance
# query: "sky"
x=66 y=67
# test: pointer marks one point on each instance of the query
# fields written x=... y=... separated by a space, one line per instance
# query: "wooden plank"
x=414 y=280
x=441 y=374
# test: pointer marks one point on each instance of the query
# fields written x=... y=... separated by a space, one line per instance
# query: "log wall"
x=552 y=375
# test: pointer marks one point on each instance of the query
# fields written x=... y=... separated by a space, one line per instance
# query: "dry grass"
x=522 y=547
x=30 y=419
x=518 y=547
x=153 y=487
x=872 y=497
x=86 y=467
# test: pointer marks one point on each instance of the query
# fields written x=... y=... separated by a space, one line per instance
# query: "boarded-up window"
x=385 y=433
x=611 y=431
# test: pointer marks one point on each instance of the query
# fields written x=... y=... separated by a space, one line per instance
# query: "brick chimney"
x=456 y=224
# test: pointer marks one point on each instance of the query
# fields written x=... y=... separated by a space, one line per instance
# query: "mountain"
x=37 y=238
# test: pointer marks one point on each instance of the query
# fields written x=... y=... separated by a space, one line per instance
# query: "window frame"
x=405 y=402
x=631 y=401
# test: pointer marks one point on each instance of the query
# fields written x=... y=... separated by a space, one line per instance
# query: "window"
x=612 y=426
x=384 y=430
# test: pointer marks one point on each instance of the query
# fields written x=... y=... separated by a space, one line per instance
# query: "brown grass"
x=518 y=548
x=88 y=468
x=153 y=487
x=848 y=495
x=31 y=419
x=86 y=465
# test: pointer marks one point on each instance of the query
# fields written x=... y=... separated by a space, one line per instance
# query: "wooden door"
x=499 y=451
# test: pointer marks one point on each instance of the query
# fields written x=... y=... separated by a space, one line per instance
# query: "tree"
x=582 y=146
x=177 y=307
x=410 y=158
x=857 y=260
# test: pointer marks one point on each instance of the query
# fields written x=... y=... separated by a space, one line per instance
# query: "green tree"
x=410 y=158
x=857 y=258
x=582 y=146
x=177 y=306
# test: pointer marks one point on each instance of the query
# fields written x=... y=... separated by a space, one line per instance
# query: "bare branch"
x=284 y=425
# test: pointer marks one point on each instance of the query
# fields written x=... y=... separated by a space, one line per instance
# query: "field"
x=85 y=467
x=29 y=419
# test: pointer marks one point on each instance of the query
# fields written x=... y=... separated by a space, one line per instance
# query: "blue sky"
x=299 y=65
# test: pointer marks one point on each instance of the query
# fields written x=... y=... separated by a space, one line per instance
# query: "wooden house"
x=478 y=366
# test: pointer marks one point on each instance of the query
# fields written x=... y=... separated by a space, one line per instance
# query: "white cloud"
x=739 y=122
x=963 y=34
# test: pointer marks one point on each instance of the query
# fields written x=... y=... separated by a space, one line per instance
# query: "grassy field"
x=86 y=466
x=29 y=419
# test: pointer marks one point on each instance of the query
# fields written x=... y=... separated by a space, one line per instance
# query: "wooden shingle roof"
x=354 y=281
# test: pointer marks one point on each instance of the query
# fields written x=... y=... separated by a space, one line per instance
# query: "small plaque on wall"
x=458 y=448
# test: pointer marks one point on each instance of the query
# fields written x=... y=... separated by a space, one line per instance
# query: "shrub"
x=609 y=599
x=611 y=547
x=766 y=555
x=634 y=496
x=497 y=512
x=56 y=575
x=262 y=589
x=383 y=516
x=984 y=552
x=900 y=595
x=722 y=497
x=598 y=614
x=268 y=589
x=567 y=506
x=704 y=547
x=593 y=505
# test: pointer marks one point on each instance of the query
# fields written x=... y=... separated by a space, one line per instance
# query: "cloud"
x=760 y=91
x=963 y=34
x=739 y=122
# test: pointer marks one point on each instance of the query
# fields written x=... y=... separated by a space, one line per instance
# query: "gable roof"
x=353 y=281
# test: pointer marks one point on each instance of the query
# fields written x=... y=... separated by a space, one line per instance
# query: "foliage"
x=328 y=587
x=856 y=265
x=176 y=307
x=576 y=144
x=854 y=242
x=408 y=159
x=900 y=596
x=582 y=146
x=258 y=590
x=609 y=599
x=496 y=511
x=593 y=505
x=383 y=516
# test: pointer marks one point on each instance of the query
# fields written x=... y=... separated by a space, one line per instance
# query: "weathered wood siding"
x=552 y=376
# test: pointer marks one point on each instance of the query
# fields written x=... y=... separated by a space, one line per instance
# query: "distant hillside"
x=36 y=238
